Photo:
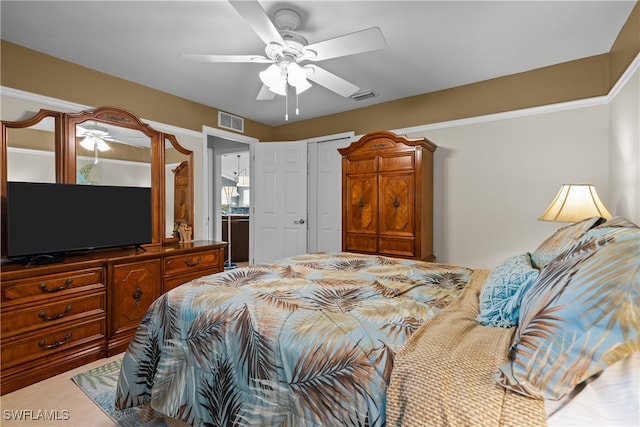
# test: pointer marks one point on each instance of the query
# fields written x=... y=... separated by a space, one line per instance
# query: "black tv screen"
x=44 y=218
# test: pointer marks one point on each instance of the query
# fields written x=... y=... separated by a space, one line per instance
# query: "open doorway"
x=235 y=199
x=225 y=169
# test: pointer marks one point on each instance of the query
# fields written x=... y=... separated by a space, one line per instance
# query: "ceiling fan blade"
x=349 y=44
x=255 y=15
x=265 y=94
x=331 y=81
x=227 y=58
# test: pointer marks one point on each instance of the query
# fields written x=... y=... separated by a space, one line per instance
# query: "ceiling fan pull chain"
x=286 y=102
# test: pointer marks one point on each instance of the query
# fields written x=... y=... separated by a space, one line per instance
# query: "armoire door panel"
x=362 y=198
x=397 y=204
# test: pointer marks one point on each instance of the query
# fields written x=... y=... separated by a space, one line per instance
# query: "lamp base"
x=229 y=266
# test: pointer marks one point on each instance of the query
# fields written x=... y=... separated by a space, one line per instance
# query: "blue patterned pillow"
x=562 y=240
x=579 y=317
x=501 y=294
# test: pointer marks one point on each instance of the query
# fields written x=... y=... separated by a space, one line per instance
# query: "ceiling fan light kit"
x=286 y=50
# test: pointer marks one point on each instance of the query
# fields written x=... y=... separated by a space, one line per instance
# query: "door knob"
x=300 y=221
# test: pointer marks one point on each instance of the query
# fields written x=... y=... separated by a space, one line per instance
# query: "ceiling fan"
x=95 y=137
x=287 y=50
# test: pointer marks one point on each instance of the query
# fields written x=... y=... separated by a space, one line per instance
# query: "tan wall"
x=579 y=79
x=31 y=71
x=626 y=46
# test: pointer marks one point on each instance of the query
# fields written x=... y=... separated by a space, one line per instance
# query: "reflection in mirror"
x=31 y=152
x=178 y=190
x=112 y=155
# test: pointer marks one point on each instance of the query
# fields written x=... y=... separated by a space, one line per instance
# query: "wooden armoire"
x=387 y=196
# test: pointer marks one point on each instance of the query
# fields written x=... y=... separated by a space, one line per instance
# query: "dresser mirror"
x=30 y=148
x=112 y=155
x=105 y=146
x=178 y=175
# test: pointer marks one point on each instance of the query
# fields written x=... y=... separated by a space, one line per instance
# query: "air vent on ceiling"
x=229 y=121
x=365 y=94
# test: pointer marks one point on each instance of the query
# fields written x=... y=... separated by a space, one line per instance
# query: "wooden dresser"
x=387 y=196
x=59 y=316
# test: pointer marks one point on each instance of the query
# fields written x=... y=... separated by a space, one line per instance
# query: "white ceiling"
x=431 y=45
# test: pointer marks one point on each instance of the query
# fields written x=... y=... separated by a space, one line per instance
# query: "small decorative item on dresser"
x=184 y=231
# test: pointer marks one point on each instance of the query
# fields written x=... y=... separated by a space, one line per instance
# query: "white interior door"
x=279 y=188
x=325 y=194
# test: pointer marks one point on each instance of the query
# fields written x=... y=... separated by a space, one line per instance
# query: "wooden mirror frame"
x=65 y=159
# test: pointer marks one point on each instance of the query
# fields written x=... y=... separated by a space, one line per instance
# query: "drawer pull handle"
x=43 y=287
x=44 y=316
x=192 y=263
x=137 y=294
x=55 y=344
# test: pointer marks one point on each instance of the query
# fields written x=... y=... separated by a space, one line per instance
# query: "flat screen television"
x=45 y=218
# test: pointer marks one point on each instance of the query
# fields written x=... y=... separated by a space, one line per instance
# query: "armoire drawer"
x=25 y=320
x=50 y=341
x=48 y=286
x=186 y=263
x=397 y=247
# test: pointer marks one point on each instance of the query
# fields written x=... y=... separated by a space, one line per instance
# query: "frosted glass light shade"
x=276 y=78
x=272 y=77
x=575 y=202
x=297 y=77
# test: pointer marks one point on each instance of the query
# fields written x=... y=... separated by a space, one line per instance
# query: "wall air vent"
x=365 y=94
x=229 y=121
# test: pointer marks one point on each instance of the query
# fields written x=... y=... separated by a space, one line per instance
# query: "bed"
x=350 y=339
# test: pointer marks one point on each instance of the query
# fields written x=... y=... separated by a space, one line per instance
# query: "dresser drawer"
x=181 y=279
x=192 y=262
x=50 y=341
x=47 y=286
x=22 y=321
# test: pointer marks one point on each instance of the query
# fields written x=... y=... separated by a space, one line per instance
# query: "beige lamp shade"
x=575 y=202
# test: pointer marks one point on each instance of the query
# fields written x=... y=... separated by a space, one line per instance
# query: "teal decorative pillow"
x=501 y=294
x=562 y=240
x=580 y=316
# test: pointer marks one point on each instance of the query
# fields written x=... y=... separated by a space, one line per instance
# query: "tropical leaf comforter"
x=306 y=341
